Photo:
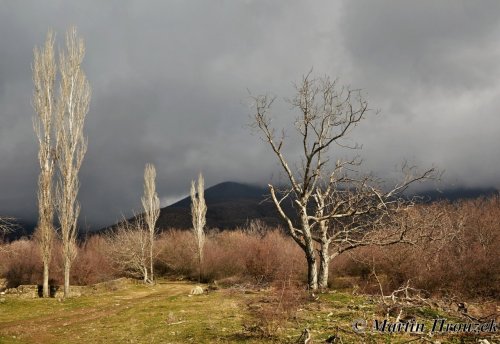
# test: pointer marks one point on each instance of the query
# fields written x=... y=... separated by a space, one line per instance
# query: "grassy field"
x=165 y=313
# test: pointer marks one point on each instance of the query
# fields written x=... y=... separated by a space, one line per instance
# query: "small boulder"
x=197 y=290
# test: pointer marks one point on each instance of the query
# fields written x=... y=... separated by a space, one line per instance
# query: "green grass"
x=165 y=313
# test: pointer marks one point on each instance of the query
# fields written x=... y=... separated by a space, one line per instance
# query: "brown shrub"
x=254 y=257
x=461 y=260
x=175 y=253
x=278 y=307
x=225 y=254
x=21 y=263
x=92 y=264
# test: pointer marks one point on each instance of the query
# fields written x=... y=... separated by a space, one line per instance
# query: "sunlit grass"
x=165 y=313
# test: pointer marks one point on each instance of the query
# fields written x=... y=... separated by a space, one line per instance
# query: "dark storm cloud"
x=170 y=80
x=432 y=67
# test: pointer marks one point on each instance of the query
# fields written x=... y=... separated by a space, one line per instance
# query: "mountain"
x=230 y=205
x=459 y=193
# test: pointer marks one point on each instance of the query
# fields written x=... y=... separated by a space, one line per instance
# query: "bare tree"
x=338 y=208
x=129 y=248
x=44 y=75
x=6 y=224
x=198 y=213
x=151 y=205
x=71 y=144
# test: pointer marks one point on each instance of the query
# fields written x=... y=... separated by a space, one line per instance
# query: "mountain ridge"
x=233 y=204
x=230 y=205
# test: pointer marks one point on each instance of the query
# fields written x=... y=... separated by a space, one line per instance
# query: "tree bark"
x=67 y=269
x=324 y=262
x=46 y=291
x=312 y=267
x=312 y=272
x=151 y=261
x=199 y=268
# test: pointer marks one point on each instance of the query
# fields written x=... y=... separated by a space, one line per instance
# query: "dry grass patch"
x=166 y=313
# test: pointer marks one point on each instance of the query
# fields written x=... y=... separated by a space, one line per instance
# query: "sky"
x=172 y=83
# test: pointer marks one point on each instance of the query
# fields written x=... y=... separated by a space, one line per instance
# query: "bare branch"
x=7 y=225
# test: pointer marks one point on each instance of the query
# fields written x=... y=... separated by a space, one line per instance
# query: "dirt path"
x=41 y=328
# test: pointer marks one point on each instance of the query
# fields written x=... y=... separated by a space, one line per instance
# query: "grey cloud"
x=170 y=80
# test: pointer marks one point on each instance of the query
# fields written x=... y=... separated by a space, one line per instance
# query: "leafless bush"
x=176 y=253
x=128 y=247
x=272 y=313
x=456 y=254
x=273 y=257
x=234 y=255
x=225 y=254
x=93 y=264
x=20 y=263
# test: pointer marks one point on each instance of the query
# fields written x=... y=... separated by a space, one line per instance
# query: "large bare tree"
x=151 y=205
x=44 y=103
x=71 y=144
x=336 y=207
x=198 y=214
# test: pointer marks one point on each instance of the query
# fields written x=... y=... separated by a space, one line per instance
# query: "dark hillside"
x=230 y=205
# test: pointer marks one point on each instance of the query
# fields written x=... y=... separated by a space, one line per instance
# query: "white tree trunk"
x=145 y=274
x=324 y=263
x=67 y=269
x=46 y=291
